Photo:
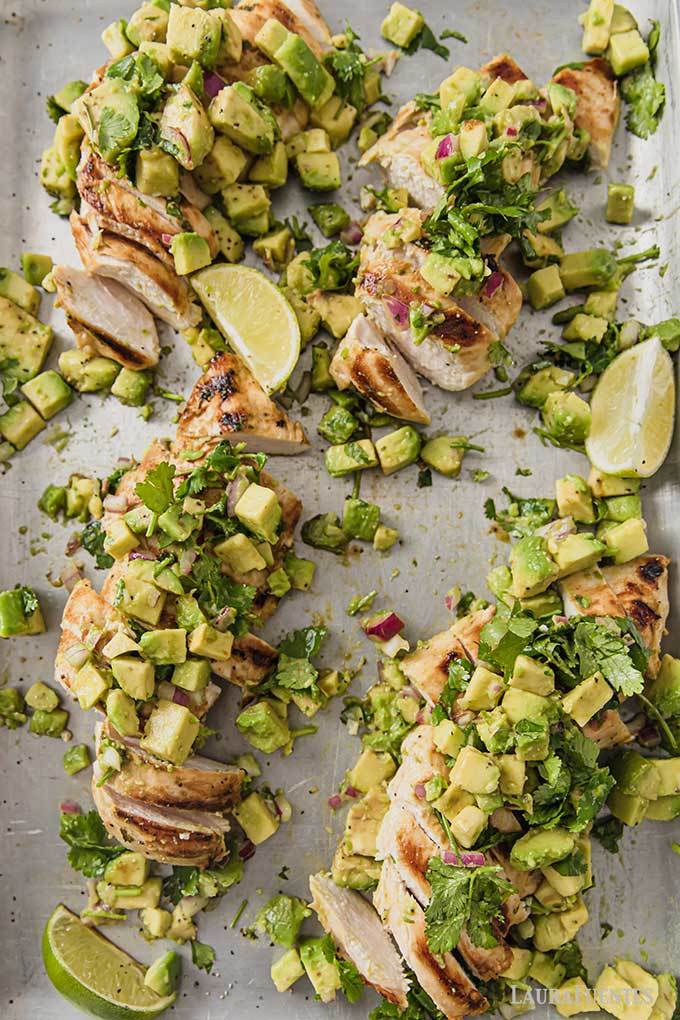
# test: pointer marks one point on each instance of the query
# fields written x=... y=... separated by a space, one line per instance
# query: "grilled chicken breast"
x=105 y=317
x=586 y=593
x=427 y=668
x=608 y=730
x=200 y=782
x=597 y=104
x=167 y=835
x=469 y=628
x=443 y=978
x=641 y=586
x=505 y=67
x=398 y=152
x=87 y=623
x=299 y=16
x=355 y=928
x=454 y=355
x=251 y=660
x=379 y=373
x=421 y=761
x=227 y=403
x=167 y=295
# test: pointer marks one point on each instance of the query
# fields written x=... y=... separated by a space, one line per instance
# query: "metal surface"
x=44 y=43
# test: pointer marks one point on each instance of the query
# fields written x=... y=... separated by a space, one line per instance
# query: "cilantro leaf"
x=463 y=898
x=333 y=267
x=324 y=532
x=646 y=98
x=599 y=648
x=92 y=540
x=297 y=675
x=350 y=979
x=90 y=848
x=182 y=882
x=608 y=832
x=304 y=643
x=427 y=40
x=506 y=636
x=215 y=590
x=523 y=515
x=202 y=955
x=156 y=491
x=281 y=918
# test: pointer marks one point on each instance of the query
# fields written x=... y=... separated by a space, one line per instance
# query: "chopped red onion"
x=69 y=807
x=560 y=619
x=420 y=718
x=115 y=503
x=452 y=598
x=212 y=83
x=539 y=103
x=181 y=697
x=409 y=692
x=351 y=791
x=247 y=850
x=186 y=560
x=472 y=860
x=70 y=576
x=335 y=802
x=384 y=627
x=445 y=147
x=398 y=310
x=167 y=239
x=420 y=791
x=235 y=490
x=224 y=619
x=449 y=857
x=512 y=131
x=352 y=234
x=492 y=283
x=72 y=545
x=142 y=554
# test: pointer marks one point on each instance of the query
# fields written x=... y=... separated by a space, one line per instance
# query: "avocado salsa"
x=530 y=722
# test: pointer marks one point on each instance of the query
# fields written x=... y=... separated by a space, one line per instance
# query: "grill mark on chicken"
x=223 y=384
x=652 y=569
x=503 y=66
x=86 y=337
x=235 y=422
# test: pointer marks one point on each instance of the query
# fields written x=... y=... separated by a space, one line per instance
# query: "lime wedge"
x=254 y=317
x=633 y=410
x=95 y=975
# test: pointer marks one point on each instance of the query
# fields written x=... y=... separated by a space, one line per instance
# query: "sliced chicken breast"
x=469 y=628
x=525 y=882
x=251 y=660
x=167 y=295
x=356 y=929
x=300 y=16
x=167 y=835
x=227 y=403
x=398 y=152
x=379 y=373
x=586 y=593
x=87 y=623
x=641 y=586
x=107 y=317
x=443 y=978
x=608 y=730
x=597 y=104
x=421 y=761
x=505 y=67
x=200 y=782
x=427 y=668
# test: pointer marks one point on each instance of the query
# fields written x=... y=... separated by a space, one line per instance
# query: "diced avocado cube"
x=18 y=290
x=271 y=37
x=603 y=485
x=135 y=676
x=473 y=138
x=14 y=619
x=65 y=97
x=545 y=287
x=532 y=739
x=585 y=327
x=194 y=34
x=188 y=613
x=90 y=685
x=566 y=418
x=475 y=772
x=448 y=737
x=279 y=583
x=444 y=454
x=627 y=540
x=574 y=499
x=120 y=709
x=513 y=774
x=229 y=241
x=532 y=566
x=142 y=600
x=483 y=691
x=119 y=540
x=351 y=871
x=149 y=23
x=519 y=966
x=185 y=129
x=255 y=818
x=636 y=776
x=624 y=997
x=263 y=726
x=271 y=84
x=597 y=26
x=85 y=373
x=546 y=971
x=322 y=380
x=156 y=173
x=319 y=171
x=602 y=303
x=620 y=203
x=540 y=250
x=164 y=647
x=159 y=52
x=518 y=705
x=76 y=759
x=48 y=724
x=336 y=118
x=286 y=970
x=48 y=393
x=275 y=249
x=176 y=524
x=664 y=692
x=371 y=768
x=39 y=695
x=300 y=571
x=385 y=538
x=211 y=643
x=663 y=809
x=531 y=675
x=353 y=456
x=337 y=311
x=110 y=100
x=245 y=202
x=192 y=675
x=115 y=39
x=402 y=25
x=576 y=552
x=314 y=140
x=330 y=218
x=541 y=384
x=622 y=20
x=190 y=252
x=259 y=510
x=162 y=977
x=629 y=810
x=587 y=698
x=35 y=268
x=622 y=508
x=20 y=424
x=131 y=387
x=131 y=897
x=338 y=425
x=239 y=554
x=360 y=519
x=560 y=208
x=224 y=165
x=271 y=169
x=627 y=50
x=256 y=226
x=238 y=113
x=155 y=921
x=541 y=847
x=398 y=449
x=468 y=825
x=170 y=732
x=311 y=78
x=498 y=96
x=322 y=972
x=592 y=268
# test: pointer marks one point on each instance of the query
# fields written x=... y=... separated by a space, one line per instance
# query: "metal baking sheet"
x=44 y=43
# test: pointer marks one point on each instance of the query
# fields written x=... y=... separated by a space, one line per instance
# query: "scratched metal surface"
x=44 y=43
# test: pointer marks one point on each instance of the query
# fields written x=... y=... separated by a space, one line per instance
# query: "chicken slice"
x=443 y=978
x=87 y=624
x=398 y=152
x=228 y=403
x=168 y=835
x=300 y=16
x=641 y=586
x=468 y=630
x=119 y=208
x=401 y=839
x=505 y=67
x=427 y=668
x=597 y=104
x=251 y=660
x=200 y=782
x=366 y=361
x=586 y=593
x=454 y=355
x=355 y=928
x=130 y=264
x=608 y=730
x=421 y=761
x=106 y=316
x=525 y=882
